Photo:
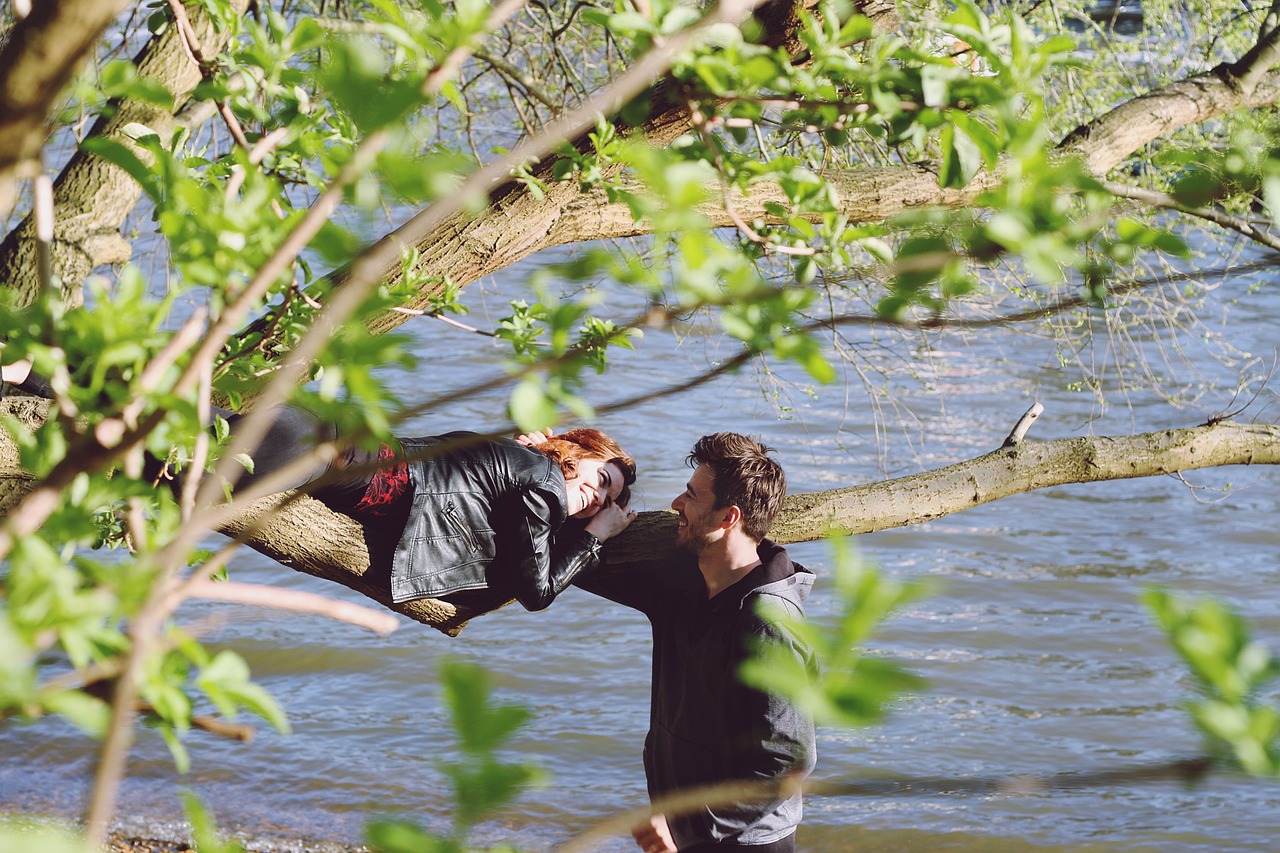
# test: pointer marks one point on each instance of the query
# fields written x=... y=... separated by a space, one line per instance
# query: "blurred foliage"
x=23 y=835
x=851 y=686
x=483 y=782
x=1232 y=671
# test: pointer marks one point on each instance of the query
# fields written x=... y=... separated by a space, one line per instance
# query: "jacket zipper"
x=455 y=519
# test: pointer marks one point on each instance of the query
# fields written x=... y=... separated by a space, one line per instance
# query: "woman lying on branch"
x=458 y=515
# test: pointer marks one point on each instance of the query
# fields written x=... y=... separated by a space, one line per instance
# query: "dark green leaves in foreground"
x=481 y=780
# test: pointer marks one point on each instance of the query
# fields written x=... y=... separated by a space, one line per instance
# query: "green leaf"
x=631 y=24
x=482 y=726
x=531 y=409
x=23 y=835
x=204 y=831
x=307 y=34
x=117 y=153
x=415 y=177
x=481 y=782
x=1271 y=195
x=935 y=82
x=479 y=790
x=87 y=713
x=388 y=836
x=961 y=158
x=120 y=79
x=842 y=685
x=1233 y=670
x=359 y=82
x=985 y=138
x=226 y=681
x=1198 y=188
x=177 y=749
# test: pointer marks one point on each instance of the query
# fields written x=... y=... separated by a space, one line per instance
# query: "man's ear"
x=730 y=517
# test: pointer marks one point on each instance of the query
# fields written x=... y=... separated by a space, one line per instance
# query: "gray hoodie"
x=705 y=725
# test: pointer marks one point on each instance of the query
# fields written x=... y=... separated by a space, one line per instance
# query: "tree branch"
x=1217 y=217
x=92 y=197
x=292 y=600
x=308 y=538
x=693 y=800
x=1108 y=140
x=42 y=53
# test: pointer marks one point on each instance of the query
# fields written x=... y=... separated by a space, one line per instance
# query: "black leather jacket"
x=486 y=514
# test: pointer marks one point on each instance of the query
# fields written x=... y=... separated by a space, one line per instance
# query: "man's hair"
x=745 y=476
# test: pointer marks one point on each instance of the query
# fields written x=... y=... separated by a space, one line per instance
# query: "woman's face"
x=596 y=484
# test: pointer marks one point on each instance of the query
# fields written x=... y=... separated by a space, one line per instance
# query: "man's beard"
x=693 y=541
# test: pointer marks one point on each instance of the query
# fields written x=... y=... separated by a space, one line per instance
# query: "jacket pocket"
x=453 y=518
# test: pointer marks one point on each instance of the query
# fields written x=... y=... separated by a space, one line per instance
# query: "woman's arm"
x=20 y=375
x=550 y=560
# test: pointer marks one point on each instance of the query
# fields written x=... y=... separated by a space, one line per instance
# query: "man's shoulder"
x=781 y=576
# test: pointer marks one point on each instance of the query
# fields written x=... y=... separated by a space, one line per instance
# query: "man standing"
x=707 y=727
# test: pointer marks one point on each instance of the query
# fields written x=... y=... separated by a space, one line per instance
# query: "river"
x=1038 y=656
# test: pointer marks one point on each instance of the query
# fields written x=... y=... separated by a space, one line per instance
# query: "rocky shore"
x=119 y=843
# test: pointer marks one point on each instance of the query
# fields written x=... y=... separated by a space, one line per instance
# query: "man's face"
x=699 y=519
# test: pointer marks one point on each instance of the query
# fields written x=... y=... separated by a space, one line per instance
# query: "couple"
x=457 y=515
x=525 y=518
x=705 y=727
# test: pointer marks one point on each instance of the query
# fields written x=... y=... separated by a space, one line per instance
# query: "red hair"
x=566 y=448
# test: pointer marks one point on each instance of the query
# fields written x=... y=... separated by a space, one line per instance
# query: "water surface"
x=1039 y=658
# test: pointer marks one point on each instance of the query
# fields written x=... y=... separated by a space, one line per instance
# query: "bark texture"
x=92 y=197
x=518 y=224
x=307 y=537
x=43 y=52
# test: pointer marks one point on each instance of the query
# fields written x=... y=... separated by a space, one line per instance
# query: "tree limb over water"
x=303 y=535
x=1007 y=471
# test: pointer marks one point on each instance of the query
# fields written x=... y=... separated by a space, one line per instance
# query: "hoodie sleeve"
x=782 y=736
x=648 y=586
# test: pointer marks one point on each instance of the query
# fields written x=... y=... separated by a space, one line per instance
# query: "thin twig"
x=1218 y=217
x=700 y=121
x=765 y=790
x=517 y=75
x=192 y=43
x=292 y=600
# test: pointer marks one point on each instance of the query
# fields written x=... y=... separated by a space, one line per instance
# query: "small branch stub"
x=1024 y=424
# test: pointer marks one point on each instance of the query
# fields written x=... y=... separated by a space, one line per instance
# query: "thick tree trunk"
x=42 y=53
x=876 y=194
x=307 y=537
x=470 y=247
x=92 y=197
